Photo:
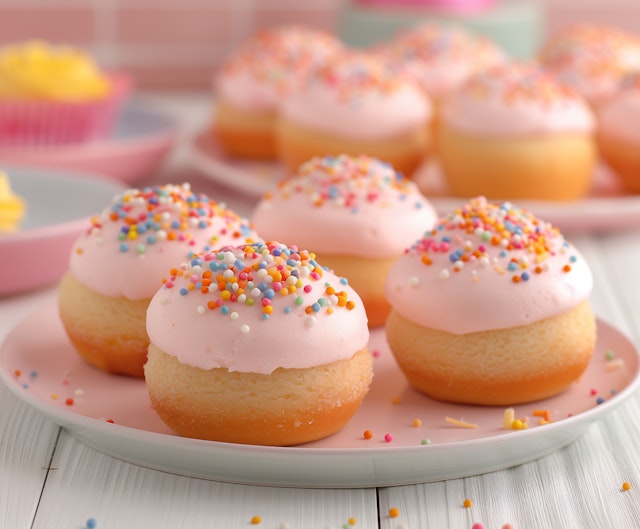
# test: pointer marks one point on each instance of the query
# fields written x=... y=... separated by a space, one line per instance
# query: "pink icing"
x=345 y=205
x=440 y=57
x=358 y=96
x=516 y=99
x=620 y=116
x=132 y=245
x=592 y=58
x=272 y=64
x=255 y=309
x=488 y=266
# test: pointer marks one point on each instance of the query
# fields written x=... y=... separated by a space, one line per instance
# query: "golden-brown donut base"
x=551 y=167
x=497 y=367
x=109 y=333
x=244 y=133
x=623 y=157
x=367 y=277
x=297 y=144
x=286 y=407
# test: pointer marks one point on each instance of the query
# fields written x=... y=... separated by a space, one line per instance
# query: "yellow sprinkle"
x=462 y=424
x=54 y=396
x=518 y=424
x=509 y=416
x=255 y=520
x=351 y=521
x=394 y=512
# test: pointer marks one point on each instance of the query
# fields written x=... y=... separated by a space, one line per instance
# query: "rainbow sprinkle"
x=471 y=233
x=350 y=182
x=167 y=213
x=255 y=275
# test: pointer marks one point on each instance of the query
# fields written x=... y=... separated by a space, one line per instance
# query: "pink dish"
x=113 y=414
x=59 y=205
x=136 y=148
x=455 y=6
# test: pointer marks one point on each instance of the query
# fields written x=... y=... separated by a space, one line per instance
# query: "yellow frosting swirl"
x=36 y=70
x=12 y=207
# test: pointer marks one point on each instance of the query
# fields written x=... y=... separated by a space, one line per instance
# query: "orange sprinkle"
x=626 y=486
x=351 y=521
x=350 y=305
x=545 y=414
x=515 y=279
x=394 y=512
x=395 y=400
x=368 y=434
x=17 y=372
x=566 y=268
x=467 y=503
x=255 y=520
x=416 y=423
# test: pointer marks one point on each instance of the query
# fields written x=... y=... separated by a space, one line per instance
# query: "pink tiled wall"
x=179 y=43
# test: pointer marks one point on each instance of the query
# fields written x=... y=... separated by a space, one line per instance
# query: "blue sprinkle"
x=141 y=228
x=287 y=310
x=599 y=400
x=573 y=258
x=524 y=276
x=202 y=224
x=124 y=247
x=316 y=307
x=34 y=374
x=344 y=281
x=503 y=253
x=91 y=523
x=512 y=266
x=175 y=224
x=269 y=293
x=183 y=291
x=151 y=239
x=276 y=252
x=291 y=262
x=25 y=386
x=224 y=309
x=239 y=264
x=265 y=316
x=613 y=391
x=263 y=286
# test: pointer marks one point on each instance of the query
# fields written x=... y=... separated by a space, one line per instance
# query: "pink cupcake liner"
x=45 y=123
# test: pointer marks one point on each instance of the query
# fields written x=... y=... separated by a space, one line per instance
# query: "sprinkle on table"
x=626 y=486
x=467 y=503
x=460 y=423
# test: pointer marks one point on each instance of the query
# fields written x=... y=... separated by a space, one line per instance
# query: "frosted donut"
x=592 y=58
x=514 y=132
x=258 y=345
x=355 y=104
x=254 y=80
x=491 y=308
x=118 y=264
x=356 y=213
x=619 y=134
x=440 y=57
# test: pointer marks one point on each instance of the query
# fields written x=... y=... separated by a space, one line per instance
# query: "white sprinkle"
x=458 y=265
x=161 y=235
x=255 y=293
x=414 y=281
x=444 y=274
x=483 y=261
x=200 y=309
x=227 y=274
x=79 y=392
x=234 y=315
x=310 y=321
x=242 y=298
x=244 y=329
x=164 y=301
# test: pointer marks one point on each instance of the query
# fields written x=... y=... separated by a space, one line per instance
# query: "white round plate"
x=606 y=208
x=58 y=207
x=137 y=147
x=113 y=414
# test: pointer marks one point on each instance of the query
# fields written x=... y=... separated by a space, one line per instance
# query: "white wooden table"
x=50 y=480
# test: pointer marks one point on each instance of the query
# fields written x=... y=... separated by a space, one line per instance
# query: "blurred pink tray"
x=43 y=369
x=59 y=205
x=138 y=146
x=606 y=208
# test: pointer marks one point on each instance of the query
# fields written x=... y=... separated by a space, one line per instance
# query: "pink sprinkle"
x=194 y=278
x=375 y=353
x=593 y=392
x=65 y=382
x=168 y=284
x=314 y=275
x=477 y=525
x=307 y=288
x=276 y=286
x=388 y=438
x=507 y=526
x=265 y=302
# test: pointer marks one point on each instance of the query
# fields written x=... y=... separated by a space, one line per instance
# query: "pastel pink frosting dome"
x=131 y=246
x=592 y=58
x=256 y=308
x=516 y=98
x=440 y=57
x=271 y=64
x=345 y=205
x=356 y=95
x=619 y=117
x=488 y=266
